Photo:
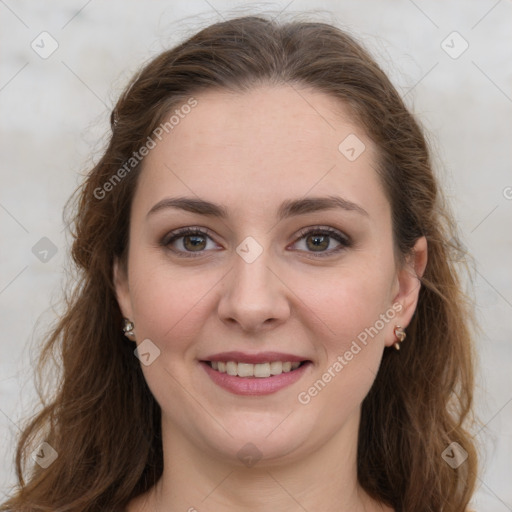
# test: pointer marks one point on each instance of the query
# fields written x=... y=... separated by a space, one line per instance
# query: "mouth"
x=263 y=374
x=254 y=370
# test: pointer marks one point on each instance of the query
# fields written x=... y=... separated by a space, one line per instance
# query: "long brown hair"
x=103 y=421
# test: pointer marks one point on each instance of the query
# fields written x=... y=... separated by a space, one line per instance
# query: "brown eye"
x=193 y=242
x=318 y=240
x=186 y=240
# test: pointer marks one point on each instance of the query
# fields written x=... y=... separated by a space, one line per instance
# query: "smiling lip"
x=255 y=385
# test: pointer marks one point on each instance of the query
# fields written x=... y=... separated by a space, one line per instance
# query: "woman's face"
x=279 y=279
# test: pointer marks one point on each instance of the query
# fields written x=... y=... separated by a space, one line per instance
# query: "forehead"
x=274 y=118
x=258 y=147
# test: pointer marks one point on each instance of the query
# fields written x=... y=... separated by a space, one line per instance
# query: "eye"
x=191 y=240
x=319 y=238
x=194 y=240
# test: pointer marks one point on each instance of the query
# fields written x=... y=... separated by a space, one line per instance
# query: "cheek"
x=168 y=303
x=350 y=304
x=357 y=314
x=350 y=340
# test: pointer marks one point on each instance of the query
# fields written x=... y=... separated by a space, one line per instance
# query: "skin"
x=249 y=152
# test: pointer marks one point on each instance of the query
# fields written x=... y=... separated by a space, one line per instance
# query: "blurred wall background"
x=63 y=65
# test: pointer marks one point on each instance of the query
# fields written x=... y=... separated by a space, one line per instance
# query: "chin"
x=264 y=438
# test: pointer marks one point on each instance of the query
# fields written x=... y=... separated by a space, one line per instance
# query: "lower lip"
x=255 y=385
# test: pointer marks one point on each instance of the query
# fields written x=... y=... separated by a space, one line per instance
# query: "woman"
x=268 y=314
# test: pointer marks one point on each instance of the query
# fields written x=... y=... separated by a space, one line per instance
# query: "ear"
x=409 y=285
x=122 y=289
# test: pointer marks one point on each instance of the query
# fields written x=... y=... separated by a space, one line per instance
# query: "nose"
x=254 y=297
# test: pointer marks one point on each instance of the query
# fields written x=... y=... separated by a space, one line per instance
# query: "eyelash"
x=344 y=241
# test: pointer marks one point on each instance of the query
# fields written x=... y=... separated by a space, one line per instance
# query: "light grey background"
x=55 y=118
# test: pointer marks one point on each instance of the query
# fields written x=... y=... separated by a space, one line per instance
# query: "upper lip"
x=260 y=357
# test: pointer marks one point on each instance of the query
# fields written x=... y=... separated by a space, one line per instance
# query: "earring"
x=128 y=329
x=400 y=336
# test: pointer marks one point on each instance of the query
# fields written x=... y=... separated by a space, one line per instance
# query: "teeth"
x=276 y=368
x=232 y=368
x=260 y=370
x=245 y=370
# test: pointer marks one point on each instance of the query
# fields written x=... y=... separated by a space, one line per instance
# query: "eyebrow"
x=288 y=208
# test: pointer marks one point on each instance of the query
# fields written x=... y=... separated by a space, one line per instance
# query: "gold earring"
x=400 y=336
x=128 y=329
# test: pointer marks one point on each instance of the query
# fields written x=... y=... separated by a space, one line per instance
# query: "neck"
x=325 y=479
